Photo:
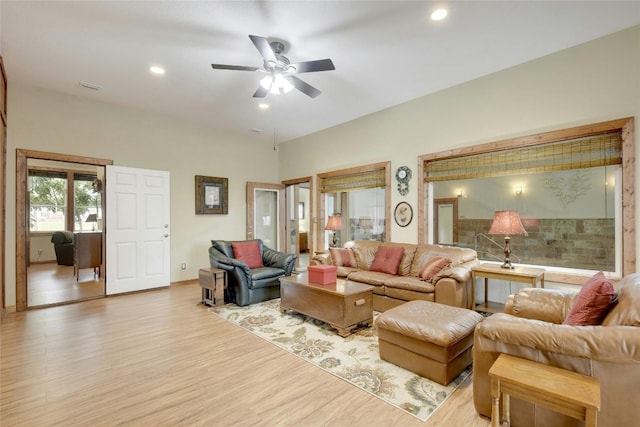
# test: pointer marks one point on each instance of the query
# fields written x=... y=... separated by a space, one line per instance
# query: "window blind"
x=357 y=181
x=587 y=152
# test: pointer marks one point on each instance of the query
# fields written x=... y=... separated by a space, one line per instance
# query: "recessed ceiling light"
x=156 y=69
x=439 y=14
x=263 y=106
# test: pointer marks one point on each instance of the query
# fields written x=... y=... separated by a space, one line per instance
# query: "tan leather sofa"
x=531 y=328
x=451 y=286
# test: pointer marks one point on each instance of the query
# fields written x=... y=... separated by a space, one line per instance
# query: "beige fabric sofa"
x=451 y=286
x=532 y=328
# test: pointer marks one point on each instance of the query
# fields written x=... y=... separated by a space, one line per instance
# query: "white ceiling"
x=385 y=52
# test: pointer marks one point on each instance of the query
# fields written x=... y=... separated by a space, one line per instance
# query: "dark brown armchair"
x=63 y=245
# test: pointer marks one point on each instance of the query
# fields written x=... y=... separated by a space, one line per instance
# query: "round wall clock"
x=403 y=214
x=403 y=175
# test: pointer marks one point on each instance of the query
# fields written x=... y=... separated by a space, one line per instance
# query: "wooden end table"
x=529 y=275
x=213 y=282
x=567 y=392
x=343 y=305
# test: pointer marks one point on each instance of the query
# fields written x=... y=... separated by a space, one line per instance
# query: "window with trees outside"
x=56 y=205
x=573 y=191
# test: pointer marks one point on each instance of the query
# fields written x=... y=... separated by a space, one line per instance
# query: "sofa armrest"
x=548 y=305
x=615 y=344
x=460 y=274
x=273 y=258
x=322 y=259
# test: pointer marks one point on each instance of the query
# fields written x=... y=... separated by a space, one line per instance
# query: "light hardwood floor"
x=159 y=358
x=50 y=283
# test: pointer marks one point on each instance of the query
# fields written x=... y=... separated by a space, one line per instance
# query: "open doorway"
x=445 y=221
x=299 y=220
x=43 y=279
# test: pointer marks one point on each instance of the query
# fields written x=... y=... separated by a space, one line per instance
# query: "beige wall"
x=590 y=83
x=593 y=82
x=49 y=121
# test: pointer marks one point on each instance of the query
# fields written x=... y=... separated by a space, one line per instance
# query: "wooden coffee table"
x=343 y=305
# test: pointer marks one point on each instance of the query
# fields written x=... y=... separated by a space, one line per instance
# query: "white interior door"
x=137 y=229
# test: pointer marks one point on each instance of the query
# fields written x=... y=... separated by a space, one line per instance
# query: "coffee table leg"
x=343 y=332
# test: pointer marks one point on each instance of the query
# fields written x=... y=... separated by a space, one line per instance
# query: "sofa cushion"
x=409 y=283
x=592 y=302
x=343 y=257
x=433 y=267
x=223 y=246
x=248 y=252
x=345 y=271
x=627 y=308
x=364 y=251
x=387 y=259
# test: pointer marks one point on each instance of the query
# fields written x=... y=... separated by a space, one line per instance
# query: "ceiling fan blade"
x=263 y=47
x=234 y=67
x=304 y=87
x=311 y=66
x=261 y=92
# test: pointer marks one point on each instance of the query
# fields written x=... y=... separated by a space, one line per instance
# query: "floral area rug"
x=354 y=358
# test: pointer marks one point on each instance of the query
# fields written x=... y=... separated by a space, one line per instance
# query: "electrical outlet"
x=183 y=266
x=39 y=252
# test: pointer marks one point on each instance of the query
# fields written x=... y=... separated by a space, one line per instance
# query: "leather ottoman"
x=433 y=340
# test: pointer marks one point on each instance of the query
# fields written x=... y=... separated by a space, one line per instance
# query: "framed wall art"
x=211 y=195
x=403 y=214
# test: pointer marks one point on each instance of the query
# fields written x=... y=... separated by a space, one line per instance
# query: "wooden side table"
x=213 y=282
x=531 y=276
x=567 y=392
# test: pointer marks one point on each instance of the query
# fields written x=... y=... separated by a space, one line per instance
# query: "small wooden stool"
x=567 y=392
x=213 y=282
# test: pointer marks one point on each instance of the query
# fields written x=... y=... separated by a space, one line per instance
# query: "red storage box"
x=322 y=274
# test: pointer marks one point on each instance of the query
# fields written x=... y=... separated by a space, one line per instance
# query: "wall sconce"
x=518 y=190
x=460 y=193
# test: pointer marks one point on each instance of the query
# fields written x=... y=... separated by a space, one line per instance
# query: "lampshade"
x=276 y=84
x=334 y=223
x=92 y=218
x=507 y=223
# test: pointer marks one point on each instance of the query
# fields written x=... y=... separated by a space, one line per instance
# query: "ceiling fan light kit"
x=276 y=84
x=281 y=78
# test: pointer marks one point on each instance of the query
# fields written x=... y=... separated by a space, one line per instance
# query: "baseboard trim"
x=184 y=282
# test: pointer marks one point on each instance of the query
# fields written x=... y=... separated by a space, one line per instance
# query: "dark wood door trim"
x=22 y=221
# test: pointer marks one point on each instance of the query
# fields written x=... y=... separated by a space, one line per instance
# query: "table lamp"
x=507 y=223
x=334 y=224
x=92 y=218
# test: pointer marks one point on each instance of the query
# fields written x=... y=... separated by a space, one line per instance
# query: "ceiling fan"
x=280 y=71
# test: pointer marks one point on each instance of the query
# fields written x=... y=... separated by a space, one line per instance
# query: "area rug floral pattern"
x=354 y=358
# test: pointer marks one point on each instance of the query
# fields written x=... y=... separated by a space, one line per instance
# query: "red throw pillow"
x=248 y=252
x=592 y=303
x=343 y=257
x=432 y=267
x=387 y=259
